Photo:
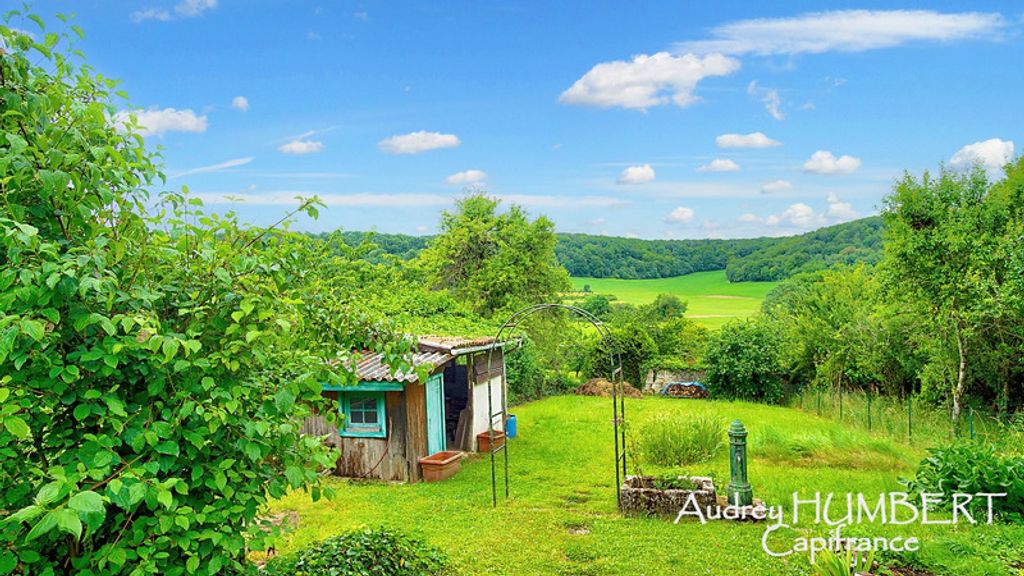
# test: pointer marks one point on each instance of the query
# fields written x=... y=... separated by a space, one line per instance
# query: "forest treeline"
x=744 y=260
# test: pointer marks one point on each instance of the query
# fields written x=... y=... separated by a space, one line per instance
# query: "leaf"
x=166 y=498
x=27 y=513
x=8 y=562
x=48 y=493
x=42 y=527
x=168 y=447
x=192 y=564
x=33 y=329
x=86 y=502
x=17 y=427
x=284 y=400
x=170 y=348
x=68 y=521
x=82 y=411
x=117 y=557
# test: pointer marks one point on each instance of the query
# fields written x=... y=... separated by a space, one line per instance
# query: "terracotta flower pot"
x=441 y=465
x=483 y=440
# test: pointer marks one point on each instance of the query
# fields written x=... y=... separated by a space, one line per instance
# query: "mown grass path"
x=562 y=517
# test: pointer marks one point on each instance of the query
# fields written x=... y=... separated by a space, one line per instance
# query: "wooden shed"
x=391 y=421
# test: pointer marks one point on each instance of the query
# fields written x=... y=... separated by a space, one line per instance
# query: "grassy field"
x=562 y=517
x=711 y=298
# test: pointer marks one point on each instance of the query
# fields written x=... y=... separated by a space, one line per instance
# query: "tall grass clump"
x=678 y=440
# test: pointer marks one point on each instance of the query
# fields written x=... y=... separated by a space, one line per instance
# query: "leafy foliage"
x=753 y=259
x=971 y=468
x=494 y=261
x=155 y=359
x=367 y=552
x=851 y=243
x=743 y=362
x=634 y=348
x=952 y=239
x=679 y=440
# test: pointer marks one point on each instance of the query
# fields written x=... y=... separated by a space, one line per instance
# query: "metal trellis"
x=618 y=397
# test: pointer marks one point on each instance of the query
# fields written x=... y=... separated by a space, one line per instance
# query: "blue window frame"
x=364 y=414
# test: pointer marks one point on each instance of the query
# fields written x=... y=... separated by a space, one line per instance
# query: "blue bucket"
x=510 y=426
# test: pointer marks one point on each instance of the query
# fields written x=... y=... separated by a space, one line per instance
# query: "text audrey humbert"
x=839 y=511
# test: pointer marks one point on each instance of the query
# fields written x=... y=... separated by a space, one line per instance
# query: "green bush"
x=366 y=552
x=679 y=440
x=743 y=362
x=970 y=468
x=154 y=359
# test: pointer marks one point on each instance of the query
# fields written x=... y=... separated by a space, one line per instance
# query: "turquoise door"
x=435 y=414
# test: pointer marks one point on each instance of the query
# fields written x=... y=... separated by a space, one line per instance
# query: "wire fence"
x=903 y=418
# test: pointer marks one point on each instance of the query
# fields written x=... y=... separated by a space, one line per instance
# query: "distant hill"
x=748 y=259
x=849 y=243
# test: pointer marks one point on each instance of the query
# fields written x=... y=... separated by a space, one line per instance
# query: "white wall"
x=480 y=406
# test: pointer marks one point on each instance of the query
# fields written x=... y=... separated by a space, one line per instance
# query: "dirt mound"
x=602 y=387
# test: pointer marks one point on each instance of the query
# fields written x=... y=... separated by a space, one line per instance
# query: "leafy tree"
x=743 y=362
x=635 y=347
x=664 y=307
x=597 y=304
x=495 y=261
x=943 y=234
x=153 y=363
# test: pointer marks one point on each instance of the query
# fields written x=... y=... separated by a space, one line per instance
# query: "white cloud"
x=234 y=163
x=798 y=215
x=801 y=216
x=838 y=210
x=240 y=103
x=991 y=154
x=824 y=162
x=156 y=122
x=776 y=186
x=466 y=177
x=680 y=215
x=418 y=142
x=598 y=222
x=845 y=31
x=769 y=97
x=299 y=146
x=773 y=104
x=636 y=175
x=184 y=9
x=752 y=140
x=647 y=80
x=719 y=165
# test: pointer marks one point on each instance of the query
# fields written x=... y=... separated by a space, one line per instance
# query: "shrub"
x=366 y=552
x=680 y=440
x=970 y=468
x=154 y=359
x=743 y=362
x=635 y=348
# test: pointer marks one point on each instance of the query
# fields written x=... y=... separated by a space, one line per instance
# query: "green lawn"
x=562 y=517
x=711 y=298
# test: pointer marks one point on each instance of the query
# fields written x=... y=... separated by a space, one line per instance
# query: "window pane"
x=362 y=413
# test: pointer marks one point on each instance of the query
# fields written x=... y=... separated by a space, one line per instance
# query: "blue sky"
x=660 y=120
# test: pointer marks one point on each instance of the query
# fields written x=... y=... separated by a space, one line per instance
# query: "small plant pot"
x=483 y=440
x=441 y=465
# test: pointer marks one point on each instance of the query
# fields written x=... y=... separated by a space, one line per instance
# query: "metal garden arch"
x=618 y=398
